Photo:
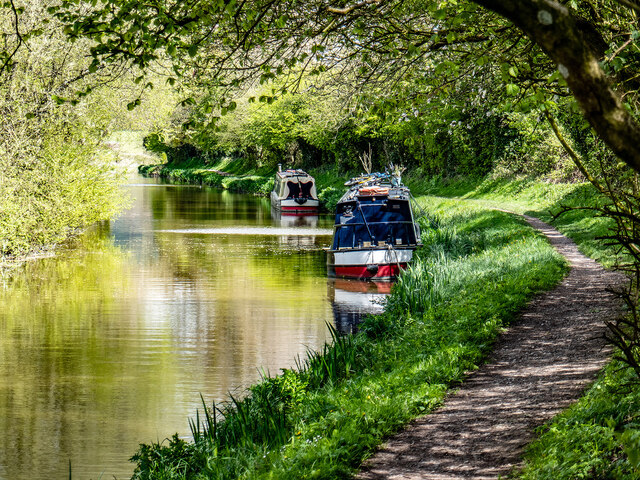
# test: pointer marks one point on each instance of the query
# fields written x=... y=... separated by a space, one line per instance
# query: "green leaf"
x=512 y=89
x=193 y=49
x=440 y=14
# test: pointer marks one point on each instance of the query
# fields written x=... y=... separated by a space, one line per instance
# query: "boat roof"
x=376 y=185
x=291 y=173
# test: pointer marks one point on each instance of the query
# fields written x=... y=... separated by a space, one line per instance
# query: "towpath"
x=539 y=366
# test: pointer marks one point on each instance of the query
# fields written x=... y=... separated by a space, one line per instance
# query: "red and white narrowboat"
x=294 y=193
x=374 y=233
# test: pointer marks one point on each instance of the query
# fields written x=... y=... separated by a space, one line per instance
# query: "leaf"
x=512 y=89
x=193 y=50
x=440 y=14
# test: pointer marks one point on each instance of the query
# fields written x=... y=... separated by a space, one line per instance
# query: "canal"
x=191 y=291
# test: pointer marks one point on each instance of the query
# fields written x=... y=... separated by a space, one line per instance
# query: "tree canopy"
x=536 y=47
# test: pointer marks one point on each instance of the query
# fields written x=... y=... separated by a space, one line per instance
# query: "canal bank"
x=355 y=402
x=111 y=342
x=323 y=419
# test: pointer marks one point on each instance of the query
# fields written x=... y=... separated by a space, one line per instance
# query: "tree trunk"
x=552 y=27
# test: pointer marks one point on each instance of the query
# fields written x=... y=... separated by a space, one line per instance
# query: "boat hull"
x=369 y=263
x=291 y=207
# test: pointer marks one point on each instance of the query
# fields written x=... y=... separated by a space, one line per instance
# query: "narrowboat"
x=375 y=234
x=294 y=193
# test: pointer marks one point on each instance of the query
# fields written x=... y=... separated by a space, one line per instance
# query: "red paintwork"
x=298 y=210
x=360 y=271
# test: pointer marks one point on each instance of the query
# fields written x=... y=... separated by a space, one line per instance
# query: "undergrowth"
x=599 y=437
x=233 y=175
x=476 y=270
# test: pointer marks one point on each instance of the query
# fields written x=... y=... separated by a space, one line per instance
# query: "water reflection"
x=351 y=300
x=110 y=343
x=294 y=221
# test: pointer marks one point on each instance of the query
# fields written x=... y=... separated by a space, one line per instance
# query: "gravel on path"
x=539 y=366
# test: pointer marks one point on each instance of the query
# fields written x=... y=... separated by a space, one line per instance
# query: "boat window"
x=306 y=188
x=294 y=189
x=388 y=224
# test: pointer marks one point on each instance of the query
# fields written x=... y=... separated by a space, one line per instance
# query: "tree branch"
x=555 y=30
x=348 y=10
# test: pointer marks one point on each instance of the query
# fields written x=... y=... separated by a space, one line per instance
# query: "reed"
x=322 y=418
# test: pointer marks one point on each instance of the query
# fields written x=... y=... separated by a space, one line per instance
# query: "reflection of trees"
x=102 y=349
x=207 y=205
x=65 y=362
x=262 y=298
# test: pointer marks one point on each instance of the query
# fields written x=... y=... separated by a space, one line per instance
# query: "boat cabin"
x=294 y=191
x=374 y=232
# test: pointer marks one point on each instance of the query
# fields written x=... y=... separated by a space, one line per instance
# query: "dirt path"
x=539 y=367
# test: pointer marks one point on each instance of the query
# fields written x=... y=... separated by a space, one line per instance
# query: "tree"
x=373 y=41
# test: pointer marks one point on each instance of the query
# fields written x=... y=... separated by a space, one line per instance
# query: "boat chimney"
x=279 y=167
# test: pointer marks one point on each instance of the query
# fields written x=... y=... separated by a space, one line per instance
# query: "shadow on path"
x=539 y=366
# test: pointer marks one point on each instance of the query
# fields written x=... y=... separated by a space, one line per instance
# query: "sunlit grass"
x=477 y=269
x=599 y=437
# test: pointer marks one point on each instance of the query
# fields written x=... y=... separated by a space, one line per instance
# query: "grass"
x=536 y=198
x=476 y=270
x=599 y=437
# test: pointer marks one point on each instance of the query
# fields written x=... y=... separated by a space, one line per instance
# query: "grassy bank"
x=476 y=270
x=536 y=198
x=233 y=175
x=440 y=321
x=599 y=437
x=223 y=174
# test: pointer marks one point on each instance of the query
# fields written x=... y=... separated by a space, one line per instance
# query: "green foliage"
x=55 y=177
x=329 y=197
x=596 y=438
x=321 y=419
x=54 y=194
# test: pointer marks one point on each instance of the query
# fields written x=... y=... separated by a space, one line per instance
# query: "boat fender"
x=372 y=269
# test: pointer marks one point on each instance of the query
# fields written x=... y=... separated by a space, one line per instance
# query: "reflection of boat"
x=351 y=300
x=294 y=193
x=294 y=221
x=374 y=233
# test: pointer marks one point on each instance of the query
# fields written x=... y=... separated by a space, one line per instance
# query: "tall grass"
x=323 y=418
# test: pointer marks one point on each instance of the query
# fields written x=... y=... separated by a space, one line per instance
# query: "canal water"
x=191 y=291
